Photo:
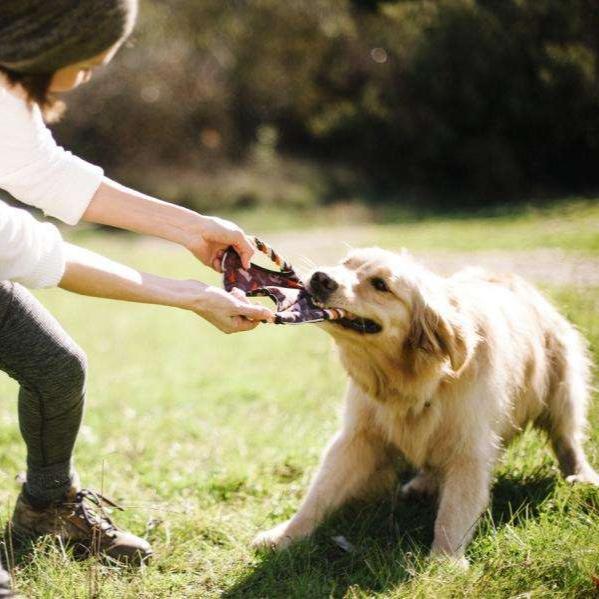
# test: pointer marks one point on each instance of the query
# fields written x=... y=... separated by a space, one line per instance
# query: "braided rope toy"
x=295 y=305
x=283 y=265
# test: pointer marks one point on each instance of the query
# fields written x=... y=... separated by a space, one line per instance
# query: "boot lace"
x=95 y=515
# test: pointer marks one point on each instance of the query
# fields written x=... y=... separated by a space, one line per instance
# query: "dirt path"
x=548 y=266
x=552 y=267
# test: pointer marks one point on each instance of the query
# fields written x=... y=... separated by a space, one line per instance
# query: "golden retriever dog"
x=443 y=371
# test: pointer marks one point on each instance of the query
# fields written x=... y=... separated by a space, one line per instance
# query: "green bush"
x=490 y=97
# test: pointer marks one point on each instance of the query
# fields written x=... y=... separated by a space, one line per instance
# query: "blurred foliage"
x=249 y=101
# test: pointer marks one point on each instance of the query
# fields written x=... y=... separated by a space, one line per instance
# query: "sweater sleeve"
x=36 y=170
x=31 y=253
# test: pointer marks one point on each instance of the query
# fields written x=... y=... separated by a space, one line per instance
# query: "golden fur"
x=462 y=365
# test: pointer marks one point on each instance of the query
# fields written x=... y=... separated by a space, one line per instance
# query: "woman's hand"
x=230 y=312
x=211 y=236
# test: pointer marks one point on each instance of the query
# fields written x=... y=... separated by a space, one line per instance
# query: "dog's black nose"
x=322 y=285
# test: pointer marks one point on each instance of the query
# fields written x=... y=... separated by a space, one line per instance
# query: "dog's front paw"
x=586 y=476
x=276 y=538
x=457 y=562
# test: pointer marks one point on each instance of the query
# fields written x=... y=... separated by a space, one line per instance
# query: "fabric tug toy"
x=295 y=304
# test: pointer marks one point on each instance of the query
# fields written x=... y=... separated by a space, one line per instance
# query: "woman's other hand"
x=230 y=312
x=211 y=236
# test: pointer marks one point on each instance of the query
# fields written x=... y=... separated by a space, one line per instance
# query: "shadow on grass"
x=390 y=538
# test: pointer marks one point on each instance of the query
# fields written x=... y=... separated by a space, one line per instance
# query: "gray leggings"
x=51 y=371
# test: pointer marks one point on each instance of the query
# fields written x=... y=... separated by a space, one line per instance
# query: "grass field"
x=208 y=439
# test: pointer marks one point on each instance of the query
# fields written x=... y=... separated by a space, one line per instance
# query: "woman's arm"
x=88 y=273
x=206 y=237
x=31 y=253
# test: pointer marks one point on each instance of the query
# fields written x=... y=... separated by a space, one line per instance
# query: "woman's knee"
x=74 y=368
x=58 y=389
x=64 y=374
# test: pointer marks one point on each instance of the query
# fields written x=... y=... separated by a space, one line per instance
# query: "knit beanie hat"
x=43 y=36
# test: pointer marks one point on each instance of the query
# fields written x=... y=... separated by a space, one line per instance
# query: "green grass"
x=211 y=438
x=573 y=227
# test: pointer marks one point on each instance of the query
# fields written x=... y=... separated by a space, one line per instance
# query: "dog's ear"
x=438 y=333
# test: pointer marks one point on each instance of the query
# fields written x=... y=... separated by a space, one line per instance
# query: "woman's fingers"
x=256 y=312
x=241 y=324
x=217 y=264
x=240 y=295
x=245 y=249
x=217 y=260
x=252 y=311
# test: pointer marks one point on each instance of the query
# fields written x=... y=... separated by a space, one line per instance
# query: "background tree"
x=495 y=99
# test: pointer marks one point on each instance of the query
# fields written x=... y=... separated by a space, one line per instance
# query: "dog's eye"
x=379 y=284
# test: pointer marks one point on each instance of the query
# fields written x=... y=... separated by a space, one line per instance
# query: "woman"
x=49 y=47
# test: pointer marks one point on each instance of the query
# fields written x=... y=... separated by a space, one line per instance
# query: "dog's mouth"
x=353 y=322
x=348 y=320
x=364 y=326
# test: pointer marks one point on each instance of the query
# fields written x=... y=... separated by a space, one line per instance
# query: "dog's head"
x=402 y=311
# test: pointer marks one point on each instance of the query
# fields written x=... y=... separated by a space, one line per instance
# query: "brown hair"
x=37 y=89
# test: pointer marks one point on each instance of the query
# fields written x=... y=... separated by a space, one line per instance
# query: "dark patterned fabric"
x=294 y=304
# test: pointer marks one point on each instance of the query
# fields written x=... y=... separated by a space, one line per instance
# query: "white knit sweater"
x=38 y=172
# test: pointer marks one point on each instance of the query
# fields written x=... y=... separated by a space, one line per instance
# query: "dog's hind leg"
x=565 y=416
x=574 y=464
x=423 y=484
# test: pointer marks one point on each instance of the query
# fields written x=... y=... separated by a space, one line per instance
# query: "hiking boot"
x=5 y=586
x=81 y=519
x=5 y=590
